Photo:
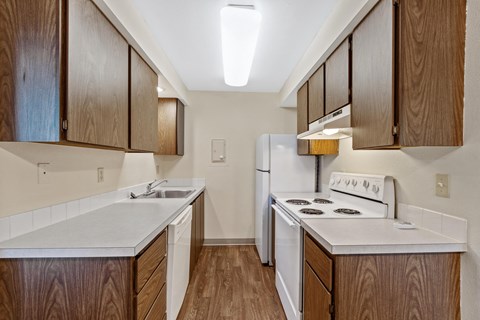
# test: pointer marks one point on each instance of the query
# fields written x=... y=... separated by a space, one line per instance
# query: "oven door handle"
x=288 y=220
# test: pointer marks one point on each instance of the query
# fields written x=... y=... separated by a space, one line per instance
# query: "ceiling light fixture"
x=240 y=27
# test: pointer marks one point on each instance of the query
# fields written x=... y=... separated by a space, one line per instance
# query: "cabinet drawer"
x=149 y=260
x=319 y=261
x=149 y=293
x=159 y=307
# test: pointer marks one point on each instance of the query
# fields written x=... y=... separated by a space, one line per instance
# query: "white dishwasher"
x=178 y=261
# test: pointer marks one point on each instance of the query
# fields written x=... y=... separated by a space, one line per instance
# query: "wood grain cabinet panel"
x=337 y=78
x=73 y=288
x=302 y=119
x=382 y=286
x=143 y=105
x=30 y=70
x=159 y=307
x=148 y=261
x=97 y=94
x=408 y=75
x=198 y=231
x=148 y=295
x=310 y=147
x=373 y=110
x=317 y=299
x=316 y=95
x=171 y=118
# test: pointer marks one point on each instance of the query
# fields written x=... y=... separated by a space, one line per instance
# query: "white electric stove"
x=351 y=196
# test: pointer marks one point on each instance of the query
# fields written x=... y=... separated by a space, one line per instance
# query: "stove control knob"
x=366 y=184
x=338 y=181
x=375 y=188
x=347 y=182
x=332 y=182
x=354 y=183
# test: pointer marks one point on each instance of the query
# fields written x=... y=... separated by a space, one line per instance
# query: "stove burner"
x=298 y=202
x=311 y=211
x=322 y=201
x=347 y=211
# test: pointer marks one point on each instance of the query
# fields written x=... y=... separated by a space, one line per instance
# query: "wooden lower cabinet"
x=383 y=286
x=85 y=288
x=198 y=230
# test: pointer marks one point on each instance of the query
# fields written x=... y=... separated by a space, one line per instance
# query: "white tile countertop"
x=377 y=236
x=121 y=229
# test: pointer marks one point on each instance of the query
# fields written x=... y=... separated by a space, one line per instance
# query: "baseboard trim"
x=229 y=242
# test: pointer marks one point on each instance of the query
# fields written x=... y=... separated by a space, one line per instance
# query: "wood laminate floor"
x=231 y=283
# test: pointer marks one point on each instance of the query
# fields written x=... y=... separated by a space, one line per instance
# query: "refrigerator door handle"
x=266 y=171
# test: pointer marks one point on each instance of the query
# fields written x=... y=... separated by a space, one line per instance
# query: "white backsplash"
x=447 y=225
x=16 y=225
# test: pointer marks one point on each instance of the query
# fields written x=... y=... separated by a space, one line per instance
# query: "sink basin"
x=164 y=194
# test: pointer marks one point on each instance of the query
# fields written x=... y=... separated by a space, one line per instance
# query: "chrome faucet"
x=155 y=183
x=152 y=185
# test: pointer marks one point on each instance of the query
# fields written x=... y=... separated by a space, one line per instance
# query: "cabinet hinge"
x=395 y=130
x=396 y=3
x=65 y=125
x=331 y=309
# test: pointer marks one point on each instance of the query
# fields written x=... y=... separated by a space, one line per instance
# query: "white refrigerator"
x=278 y=169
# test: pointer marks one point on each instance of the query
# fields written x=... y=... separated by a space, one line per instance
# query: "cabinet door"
x=337 y=78
x=167 y=126
x=316 y=95
x=180 y=128
x=302 y=118
x=431 y=57
x=373 y=78
x=97 y=93
x=29 y=70
x=317 y=300
x=143 y=105
x=193 y=258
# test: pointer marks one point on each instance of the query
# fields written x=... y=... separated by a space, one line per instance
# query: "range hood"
x=333 y=126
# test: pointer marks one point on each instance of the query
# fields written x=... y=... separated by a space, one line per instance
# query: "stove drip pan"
x=347 y=211
x=322 y=201
x=311 y=211
x=298 y=202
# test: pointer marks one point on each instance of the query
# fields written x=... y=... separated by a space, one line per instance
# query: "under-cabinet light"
x=330 y=132
x=240 y=28
x=160 y=89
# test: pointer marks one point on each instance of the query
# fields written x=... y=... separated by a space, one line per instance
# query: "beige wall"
x=415 y=169
x=239 y=118
x=73 y=174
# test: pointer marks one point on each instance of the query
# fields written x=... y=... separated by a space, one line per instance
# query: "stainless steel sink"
x=164 y=194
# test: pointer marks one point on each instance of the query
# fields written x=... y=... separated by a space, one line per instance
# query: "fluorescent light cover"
x=160 y=89
x=240 y=27
x=329 y=132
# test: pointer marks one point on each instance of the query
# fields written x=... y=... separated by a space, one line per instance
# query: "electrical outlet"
x=100 y=175
x=442 y=186
x=43 y=173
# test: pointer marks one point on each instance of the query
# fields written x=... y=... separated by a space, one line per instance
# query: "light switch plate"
x=100 y=175
x=442 y=186
x=43 y=173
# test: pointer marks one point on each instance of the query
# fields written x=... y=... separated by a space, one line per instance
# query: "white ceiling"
x=189 y=33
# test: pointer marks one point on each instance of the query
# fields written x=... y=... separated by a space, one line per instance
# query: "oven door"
x=288 y=259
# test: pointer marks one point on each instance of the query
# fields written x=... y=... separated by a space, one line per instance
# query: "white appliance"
x=352 y=196
x=178 y=262
x=278 y=169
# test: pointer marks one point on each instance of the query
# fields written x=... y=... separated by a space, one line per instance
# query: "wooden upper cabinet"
x=316 y=95
x=425 y=46
x=373 y=78
x=302 y=118
x=97 y=93
x=171 y=126
x=310 y=147
x=30 y=70
x=337 y=78
x=143 y=105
